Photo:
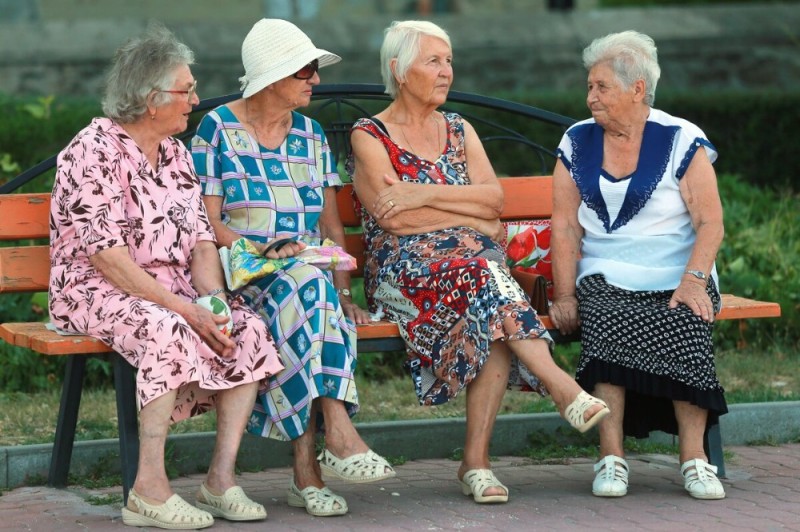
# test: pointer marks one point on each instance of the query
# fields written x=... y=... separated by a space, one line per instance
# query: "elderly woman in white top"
x=637 y=222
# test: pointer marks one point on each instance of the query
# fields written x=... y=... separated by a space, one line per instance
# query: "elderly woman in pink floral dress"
x=132 y=249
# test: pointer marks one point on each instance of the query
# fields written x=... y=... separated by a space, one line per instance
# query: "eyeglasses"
x=190 y=92
x=308 y=71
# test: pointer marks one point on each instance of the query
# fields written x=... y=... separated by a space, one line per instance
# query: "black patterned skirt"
x=634 y=340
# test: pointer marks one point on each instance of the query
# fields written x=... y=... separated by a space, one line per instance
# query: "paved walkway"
x=763 y=488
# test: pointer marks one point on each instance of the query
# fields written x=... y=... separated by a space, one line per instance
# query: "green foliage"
x=759 y=259
x=753 y=131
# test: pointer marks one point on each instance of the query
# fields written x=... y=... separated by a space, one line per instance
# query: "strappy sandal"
x=477 y=481
x=362 y=467
x=232 y=505
x=575 y=412
x=175 y=514
x=700 y=480
x=612 y=477
x=317 y=502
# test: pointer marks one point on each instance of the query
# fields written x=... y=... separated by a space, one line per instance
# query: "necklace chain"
x=427 y=140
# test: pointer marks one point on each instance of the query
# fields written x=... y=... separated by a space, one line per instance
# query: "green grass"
x=748 y=375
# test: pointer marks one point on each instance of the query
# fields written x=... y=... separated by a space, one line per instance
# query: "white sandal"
x=174 y=514
x=362 y=467
x=612 y=477
x=576 y=410
x=317 y=502
x=700 y=480
x=477 y=481
x=233 y=505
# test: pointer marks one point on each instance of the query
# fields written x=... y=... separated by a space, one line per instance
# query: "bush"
x=753 y=132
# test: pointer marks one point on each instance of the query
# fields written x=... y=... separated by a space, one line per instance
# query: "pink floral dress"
x=106 y=194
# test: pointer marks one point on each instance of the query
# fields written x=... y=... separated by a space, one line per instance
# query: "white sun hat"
x=275 y=49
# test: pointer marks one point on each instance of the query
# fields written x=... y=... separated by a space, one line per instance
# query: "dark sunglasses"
x=308 y=71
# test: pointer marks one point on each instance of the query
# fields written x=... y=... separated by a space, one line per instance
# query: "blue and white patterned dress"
x=271 y=194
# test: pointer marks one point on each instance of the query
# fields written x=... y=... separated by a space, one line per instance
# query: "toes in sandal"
x=612 y=477
x=700 y=480
x=317 y=502
x=575 y=412
x=362 y=467
x=477 y=481
x=175 y=514
x=232 y=505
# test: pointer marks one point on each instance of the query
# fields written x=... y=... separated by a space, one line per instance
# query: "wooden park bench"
x=25 y=267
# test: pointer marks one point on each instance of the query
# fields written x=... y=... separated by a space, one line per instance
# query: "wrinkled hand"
x=693 y=295
x=204 y=322
x=289 y=250
x=353 y=312
x=399 y=196
x=493 y=229
x=564 y=314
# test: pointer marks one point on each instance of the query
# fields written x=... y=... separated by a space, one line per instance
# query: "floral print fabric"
x=450 y=290
x=106 y=195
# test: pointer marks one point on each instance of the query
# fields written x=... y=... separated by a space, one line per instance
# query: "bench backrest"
x=26 y=268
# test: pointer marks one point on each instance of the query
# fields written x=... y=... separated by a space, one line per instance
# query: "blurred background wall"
x=62 y=47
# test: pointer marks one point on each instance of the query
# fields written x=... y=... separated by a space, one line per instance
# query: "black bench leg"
x=67 y=421
x=712 y=444
x=125 y=385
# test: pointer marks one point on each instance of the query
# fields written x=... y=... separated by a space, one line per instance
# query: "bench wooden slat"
x=39 y=338
x=24 y=269
x=25 y=216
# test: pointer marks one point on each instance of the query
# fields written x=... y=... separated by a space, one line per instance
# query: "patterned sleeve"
x=564 y=151
x=688 y=141
x=206 y=153
x=330 y=174
x=95 y=205
x=203 y=226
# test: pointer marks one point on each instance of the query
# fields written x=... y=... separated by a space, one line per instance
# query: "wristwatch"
x=697 y=273
x=343 y=292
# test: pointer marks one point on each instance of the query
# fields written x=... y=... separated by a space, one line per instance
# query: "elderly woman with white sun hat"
x=267 y=173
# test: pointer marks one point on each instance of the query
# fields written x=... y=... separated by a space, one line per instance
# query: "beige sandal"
x=575 y=412
x=477 y=481
x=175 y=514
x=317 y=502
x=362 y=467
x=232 y=505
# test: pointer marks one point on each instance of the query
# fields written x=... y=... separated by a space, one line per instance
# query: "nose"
x=315 y=79
x=195 y=99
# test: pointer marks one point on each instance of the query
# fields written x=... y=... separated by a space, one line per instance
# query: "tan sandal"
x=362 y=467
x=575 y=412
x=317 y=502
x=175 y=514
x=232 y=505
x=477 y=481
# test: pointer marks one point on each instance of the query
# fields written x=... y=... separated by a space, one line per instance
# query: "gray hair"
x=631 y=55
x=141 y=65
x=401 y=42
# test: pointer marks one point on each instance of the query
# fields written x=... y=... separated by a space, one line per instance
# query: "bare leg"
x=341 y=437
x=305 y=467
x=535 y=354
x=233 y=410
x=611 y=435
x=151 y=481
x=484 y=396
x=691 y=427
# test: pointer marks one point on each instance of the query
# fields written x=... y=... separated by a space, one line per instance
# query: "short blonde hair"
x=632 y=56
x=141 y=65
x=401 y=42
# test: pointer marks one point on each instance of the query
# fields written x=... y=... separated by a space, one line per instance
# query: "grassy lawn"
x=748 y=374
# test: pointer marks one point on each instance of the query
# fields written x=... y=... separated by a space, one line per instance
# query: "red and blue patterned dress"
x=449 y=290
